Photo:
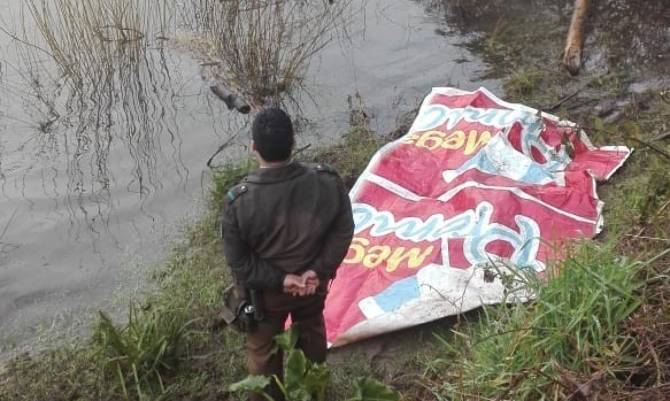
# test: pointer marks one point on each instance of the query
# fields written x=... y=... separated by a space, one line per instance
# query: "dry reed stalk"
x=88 y=39
x=261 y=48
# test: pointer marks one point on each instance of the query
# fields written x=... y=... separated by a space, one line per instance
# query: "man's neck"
x=264 y=164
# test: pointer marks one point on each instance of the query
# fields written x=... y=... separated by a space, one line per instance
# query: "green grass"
x=523 y=82
x=567 y=335
x=144 y=350
x=359 y=145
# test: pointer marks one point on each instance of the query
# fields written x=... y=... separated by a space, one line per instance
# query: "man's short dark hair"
x=272 y=132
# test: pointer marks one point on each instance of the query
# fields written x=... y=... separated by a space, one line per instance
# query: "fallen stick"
x=632 y=138
x=562 y=101
x=304 y=148
x=220 y=149
x=644 y=237
x=572 y=55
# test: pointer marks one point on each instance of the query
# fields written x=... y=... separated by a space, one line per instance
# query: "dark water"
x=96 y=177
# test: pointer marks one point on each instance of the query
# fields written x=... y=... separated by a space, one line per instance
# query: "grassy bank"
x=578 y=340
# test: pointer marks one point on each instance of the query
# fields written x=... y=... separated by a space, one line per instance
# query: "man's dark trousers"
x=307 y=313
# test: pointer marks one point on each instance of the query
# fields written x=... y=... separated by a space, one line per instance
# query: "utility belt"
x=242 y=308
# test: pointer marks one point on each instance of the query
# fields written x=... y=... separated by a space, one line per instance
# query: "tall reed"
x=261 y=48
x=95 y=80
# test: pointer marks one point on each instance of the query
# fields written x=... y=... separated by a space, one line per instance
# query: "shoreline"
x=199 y=363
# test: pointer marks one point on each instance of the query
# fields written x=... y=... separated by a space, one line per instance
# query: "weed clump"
x=523 y=82
x=143 y=350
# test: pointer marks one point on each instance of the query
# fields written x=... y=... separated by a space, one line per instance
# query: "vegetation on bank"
x=564 y=345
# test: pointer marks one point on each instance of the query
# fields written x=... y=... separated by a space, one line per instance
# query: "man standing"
x=286 y=229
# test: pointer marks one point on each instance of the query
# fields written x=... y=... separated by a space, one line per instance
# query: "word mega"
x=476 y=184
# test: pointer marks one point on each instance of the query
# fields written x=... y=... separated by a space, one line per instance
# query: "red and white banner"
x=476 y=181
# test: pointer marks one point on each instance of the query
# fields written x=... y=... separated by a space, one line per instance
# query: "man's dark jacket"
x=286 y=220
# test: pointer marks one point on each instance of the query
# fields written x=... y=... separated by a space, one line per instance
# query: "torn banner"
x=475 y=180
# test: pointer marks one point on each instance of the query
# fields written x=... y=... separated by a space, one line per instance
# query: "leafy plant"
x=303 y=380
x=142 y=350
x=307 y=381
x=369 y=389
x=251 y=383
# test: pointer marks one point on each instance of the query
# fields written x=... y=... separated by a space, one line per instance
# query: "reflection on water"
x=98 y=85
x=102 y=128
x=93 y=88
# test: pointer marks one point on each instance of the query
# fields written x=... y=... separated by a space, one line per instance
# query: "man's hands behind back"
x=303 y=285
